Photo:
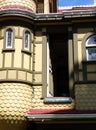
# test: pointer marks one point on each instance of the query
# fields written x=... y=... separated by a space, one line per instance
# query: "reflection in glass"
x=26 y=40
x=91 y=54
x=9 y=38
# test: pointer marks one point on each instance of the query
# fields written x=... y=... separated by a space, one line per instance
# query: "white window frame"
x=49 y=70
x=91 y=45
x=26 y=40
x=9 y=38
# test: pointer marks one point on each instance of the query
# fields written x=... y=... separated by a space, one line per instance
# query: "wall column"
x=46 y=6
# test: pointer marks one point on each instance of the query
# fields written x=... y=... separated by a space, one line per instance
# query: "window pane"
x=91 y=54
x=9 y=38
x=26 y=40
x=91 y=41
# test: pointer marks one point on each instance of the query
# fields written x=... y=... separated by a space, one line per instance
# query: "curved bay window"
x=91 y=48
x=26 y=40
x=9 y=38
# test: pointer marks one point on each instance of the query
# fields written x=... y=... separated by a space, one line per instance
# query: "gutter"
x=61 y=117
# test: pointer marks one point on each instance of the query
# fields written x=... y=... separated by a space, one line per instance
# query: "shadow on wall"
x=7 y=124
x=63 y=126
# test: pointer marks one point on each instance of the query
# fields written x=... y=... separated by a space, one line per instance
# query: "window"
x=57 y=65
x=91 y=48
x=26 y=40
x=9 y=38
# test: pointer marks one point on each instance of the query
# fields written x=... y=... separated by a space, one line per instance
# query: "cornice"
x=54 y=18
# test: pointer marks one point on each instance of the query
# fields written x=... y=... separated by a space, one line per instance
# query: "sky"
x=74 y=2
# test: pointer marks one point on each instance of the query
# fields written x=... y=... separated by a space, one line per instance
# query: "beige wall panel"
x=38 y=78
x=21 y=32
x=3 y=74
x=29 y=77
x=31 y=63
x=26 y=61
x=22 y=75
x=91 y=76
x=2 y=33
x=17 y=59
x=1 y=60
x=84 y=30
x=11 y=74
x=38 y=57
x=8 y=60
x=31 y=48
x=38 y=39
x=1 y=44
x=1 y=55
x=79 y=53
x=91 y=68
x=18 y=45
x=38 y=36
x=16 y=31
x=80 y=35
x=32 y=36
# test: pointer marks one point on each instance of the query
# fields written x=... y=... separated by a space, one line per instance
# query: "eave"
x=48 y=19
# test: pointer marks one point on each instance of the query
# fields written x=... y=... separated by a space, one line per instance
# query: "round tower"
x=29 y=5
x=16 y=46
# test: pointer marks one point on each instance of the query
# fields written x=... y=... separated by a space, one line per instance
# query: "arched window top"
x=91 y=48
x=9 y=29
x=26 y=40
x=27 y=32
x=9 y=38
x=91 y=41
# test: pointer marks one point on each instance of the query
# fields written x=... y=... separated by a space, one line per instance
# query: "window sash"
x=9 y=38
x=91 y=54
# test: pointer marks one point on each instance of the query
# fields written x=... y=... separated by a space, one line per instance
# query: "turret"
x=29 y=5
x=16 y=43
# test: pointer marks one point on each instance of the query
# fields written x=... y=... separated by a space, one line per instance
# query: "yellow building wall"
x=38 y=57
x=81 y=34
x=85 y=97
x=15 y=101
x=85 y=93
x=15 y=79
x=8 y=60
x=37 y=100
